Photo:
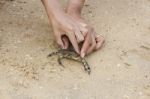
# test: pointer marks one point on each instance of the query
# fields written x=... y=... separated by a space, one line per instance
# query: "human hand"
x=92 y=40
x=62 y=25
x=75 y=28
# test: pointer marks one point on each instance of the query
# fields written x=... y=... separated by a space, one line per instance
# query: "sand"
x=120 y=70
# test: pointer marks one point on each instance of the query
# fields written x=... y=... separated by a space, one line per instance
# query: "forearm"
x=53 y=8
x=75 y=6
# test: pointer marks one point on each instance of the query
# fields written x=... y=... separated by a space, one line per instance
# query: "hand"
x=92 y=41
x=63 y=24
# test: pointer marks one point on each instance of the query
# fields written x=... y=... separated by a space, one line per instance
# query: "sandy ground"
x=120 y=70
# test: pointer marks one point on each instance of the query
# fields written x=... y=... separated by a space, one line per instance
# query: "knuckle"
x=103 y=39
x=80 y=39
x=70 y=35
x=70 y=29
x=85 y=32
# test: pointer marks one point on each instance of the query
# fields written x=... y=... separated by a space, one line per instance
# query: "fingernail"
x=82 y=55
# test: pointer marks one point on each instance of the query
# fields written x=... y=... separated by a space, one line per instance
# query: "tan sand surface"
x=120 y=70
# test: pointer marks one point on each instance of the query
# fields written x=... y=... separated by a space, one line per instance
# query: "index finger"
x=85 y=46
x=73 y=41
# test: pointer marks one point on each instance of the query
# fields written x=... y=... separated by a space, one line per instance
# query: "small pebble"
x=140 y=93
x=75 y=87
x=126 y=97
x=118 y=65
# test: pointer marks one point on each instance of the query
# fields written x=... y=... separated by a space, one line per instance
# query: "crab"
x=71 y=54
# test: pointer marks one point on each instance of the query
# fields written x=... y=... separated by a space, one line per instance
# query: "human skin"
x=63 y=24
x=73 y=26
x=92 y=41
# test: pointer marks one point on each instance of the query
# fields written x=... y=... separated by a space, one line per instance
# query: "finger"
x=85 y=46
x=59 y=40
x=79 y=35
x=99 y=41
x=84 y=31
x=83 y=28
x=93 y=45
x=83 y=24
x=65 y=42
x=73 y=41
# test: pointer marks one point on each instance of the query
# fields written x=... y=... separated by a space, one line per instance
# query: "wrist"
x=53 y=8
x=75 y=7
x=74 y=10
